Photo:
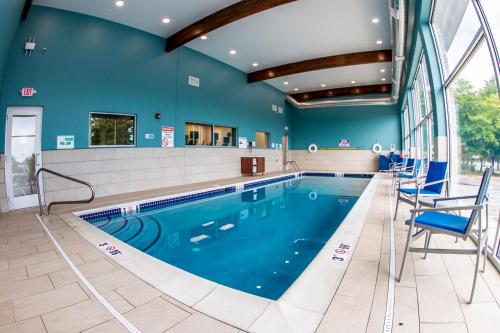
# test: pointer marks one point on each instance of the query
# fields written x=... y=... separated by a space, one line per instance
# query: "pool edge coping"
x=261 y=313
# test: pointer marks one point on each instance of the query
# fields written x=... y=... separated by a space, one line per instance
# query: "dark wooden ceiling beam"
x=339 y=92
x=219 y=19
x=349 y=59
x=26 y=9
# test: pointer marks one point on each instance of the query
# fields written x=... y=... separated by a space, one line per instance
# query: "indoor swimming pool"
x=257 y=240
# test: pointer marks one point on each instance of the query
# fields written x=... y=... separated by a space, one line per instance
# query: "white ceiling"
x=296 y=31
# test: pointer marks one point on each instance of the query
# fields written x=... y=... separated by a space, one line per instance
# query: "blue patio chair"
x=410 y=171
x=439 y=220
x=399 y=166
x=432 y=187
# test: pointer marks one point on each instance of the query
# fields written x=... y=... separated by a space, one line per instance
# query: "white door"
x=23 y=155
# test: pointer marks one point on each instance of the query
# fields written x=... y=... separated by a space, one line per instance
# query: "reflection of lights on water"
x=287 y=261
x=275 y=273
x=258 y=287
x=195 y=249
x=296 y=252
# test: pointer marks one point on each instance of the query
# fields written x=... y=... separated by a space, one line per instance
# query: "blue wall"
x=96 y=65
x=10 y=14
x=362 y=125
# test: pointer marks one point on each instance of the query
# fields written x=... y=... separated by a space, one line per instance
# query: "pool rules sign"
x=167 y=137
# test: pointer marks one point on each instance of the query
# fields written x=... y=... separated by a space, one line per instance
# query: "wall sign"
x=242 y=142
x=167 y=137
x=344 y=143
x=65 y=142
x=393 y=147
x=149 y=136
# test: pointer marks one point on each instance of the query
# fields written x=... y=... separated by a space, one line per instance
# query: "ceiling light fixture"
x=232 y=52
x=255 y=64
x=204 y=37
x=285 y=83
x=383 y=79
x=382 y=70
x=166 y=20
x=375 y=20
x=119 y=3
x=379 y=42
x=353 y=82
x=323 y=85
x=296 y=89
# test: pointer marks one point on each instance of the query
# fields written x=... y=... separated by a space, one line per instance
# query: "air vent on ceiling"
x=194 y=81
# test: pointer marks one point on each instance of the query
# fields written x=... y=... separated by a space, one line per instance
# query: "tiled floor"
x=40 y=293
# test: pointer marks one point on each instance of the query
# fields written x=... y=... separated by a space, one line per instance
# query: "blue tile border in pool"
x=184 y=198
x=102 y=215
x=150 y=205
x=337 y=174
x=268 y=181
x=161 y=203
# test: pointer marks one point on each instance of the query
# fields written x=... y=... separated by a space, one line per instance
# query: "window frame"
x=483 y=35
x=112 y=114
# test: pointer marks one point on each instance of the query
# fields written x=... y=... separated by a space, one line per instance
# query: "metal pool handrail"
x=68 y=202
x=293 y=164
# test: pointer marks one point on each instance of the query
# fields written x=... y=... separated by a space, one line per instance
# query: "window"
x=198 y=134
x=111 y=129
x=209 y=135
x=422 y=106
x=261 y=139
x=224 y=136
x=406 y=132
x=469 y=60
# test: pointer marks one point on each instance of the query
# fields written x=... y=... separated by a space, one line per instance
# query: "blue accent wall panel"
x=96 y=65
x=362 y=125
x=10 y=14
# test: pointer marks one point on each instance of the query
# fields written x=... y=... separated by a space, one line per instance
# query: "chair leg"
x=478 y=257
x=407 y=247
x=485 y=252
x=397 y=206
x=427 y=242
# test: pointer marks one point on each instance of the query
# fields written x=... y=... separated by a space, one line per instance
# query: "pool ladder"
x=68 y=202
x=292 y=164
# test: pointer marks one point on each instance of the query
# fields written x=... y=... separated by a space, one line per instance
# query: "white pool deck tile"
x=40 y=293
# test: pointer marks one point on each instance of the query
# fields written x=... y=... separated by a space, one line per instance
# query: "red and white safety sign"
x=167 y=136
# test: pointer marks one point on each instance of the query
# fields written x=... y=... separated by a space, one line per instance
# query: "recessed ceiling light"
x=323 y=85
x=166 y=20
x=119 y=3
x=375 y=20
x=382 y=70
x=285 y=83
x=296 y=89
x=233 y=52
x=383 y=79
x=353 y=82
x=255 y=64
x=379 y=42
x=204 y=37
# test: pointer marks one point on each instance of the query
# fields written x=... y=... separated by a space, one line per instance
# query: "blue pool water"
x=258 y=241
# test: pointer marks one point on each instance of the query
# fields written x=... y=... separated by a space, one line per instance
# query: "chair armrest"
x=411 y=181
x=447 y=209
x=456 y=198
x=433 y=183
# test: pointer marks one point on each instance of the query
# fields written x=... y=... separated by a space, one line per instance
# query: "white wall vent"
x=194 y=81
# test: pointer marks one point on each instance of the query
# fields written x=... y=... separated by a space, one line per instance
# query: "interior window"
x=224 y=136
x=108 y=129
x=261 y=139
x=209 y=135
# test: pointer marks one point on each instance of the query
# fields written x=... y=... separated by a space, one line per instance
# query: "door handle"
x=37 y=159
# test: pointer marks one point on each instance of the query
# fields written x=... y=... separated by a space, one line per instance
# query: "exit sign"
x=28 y=92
